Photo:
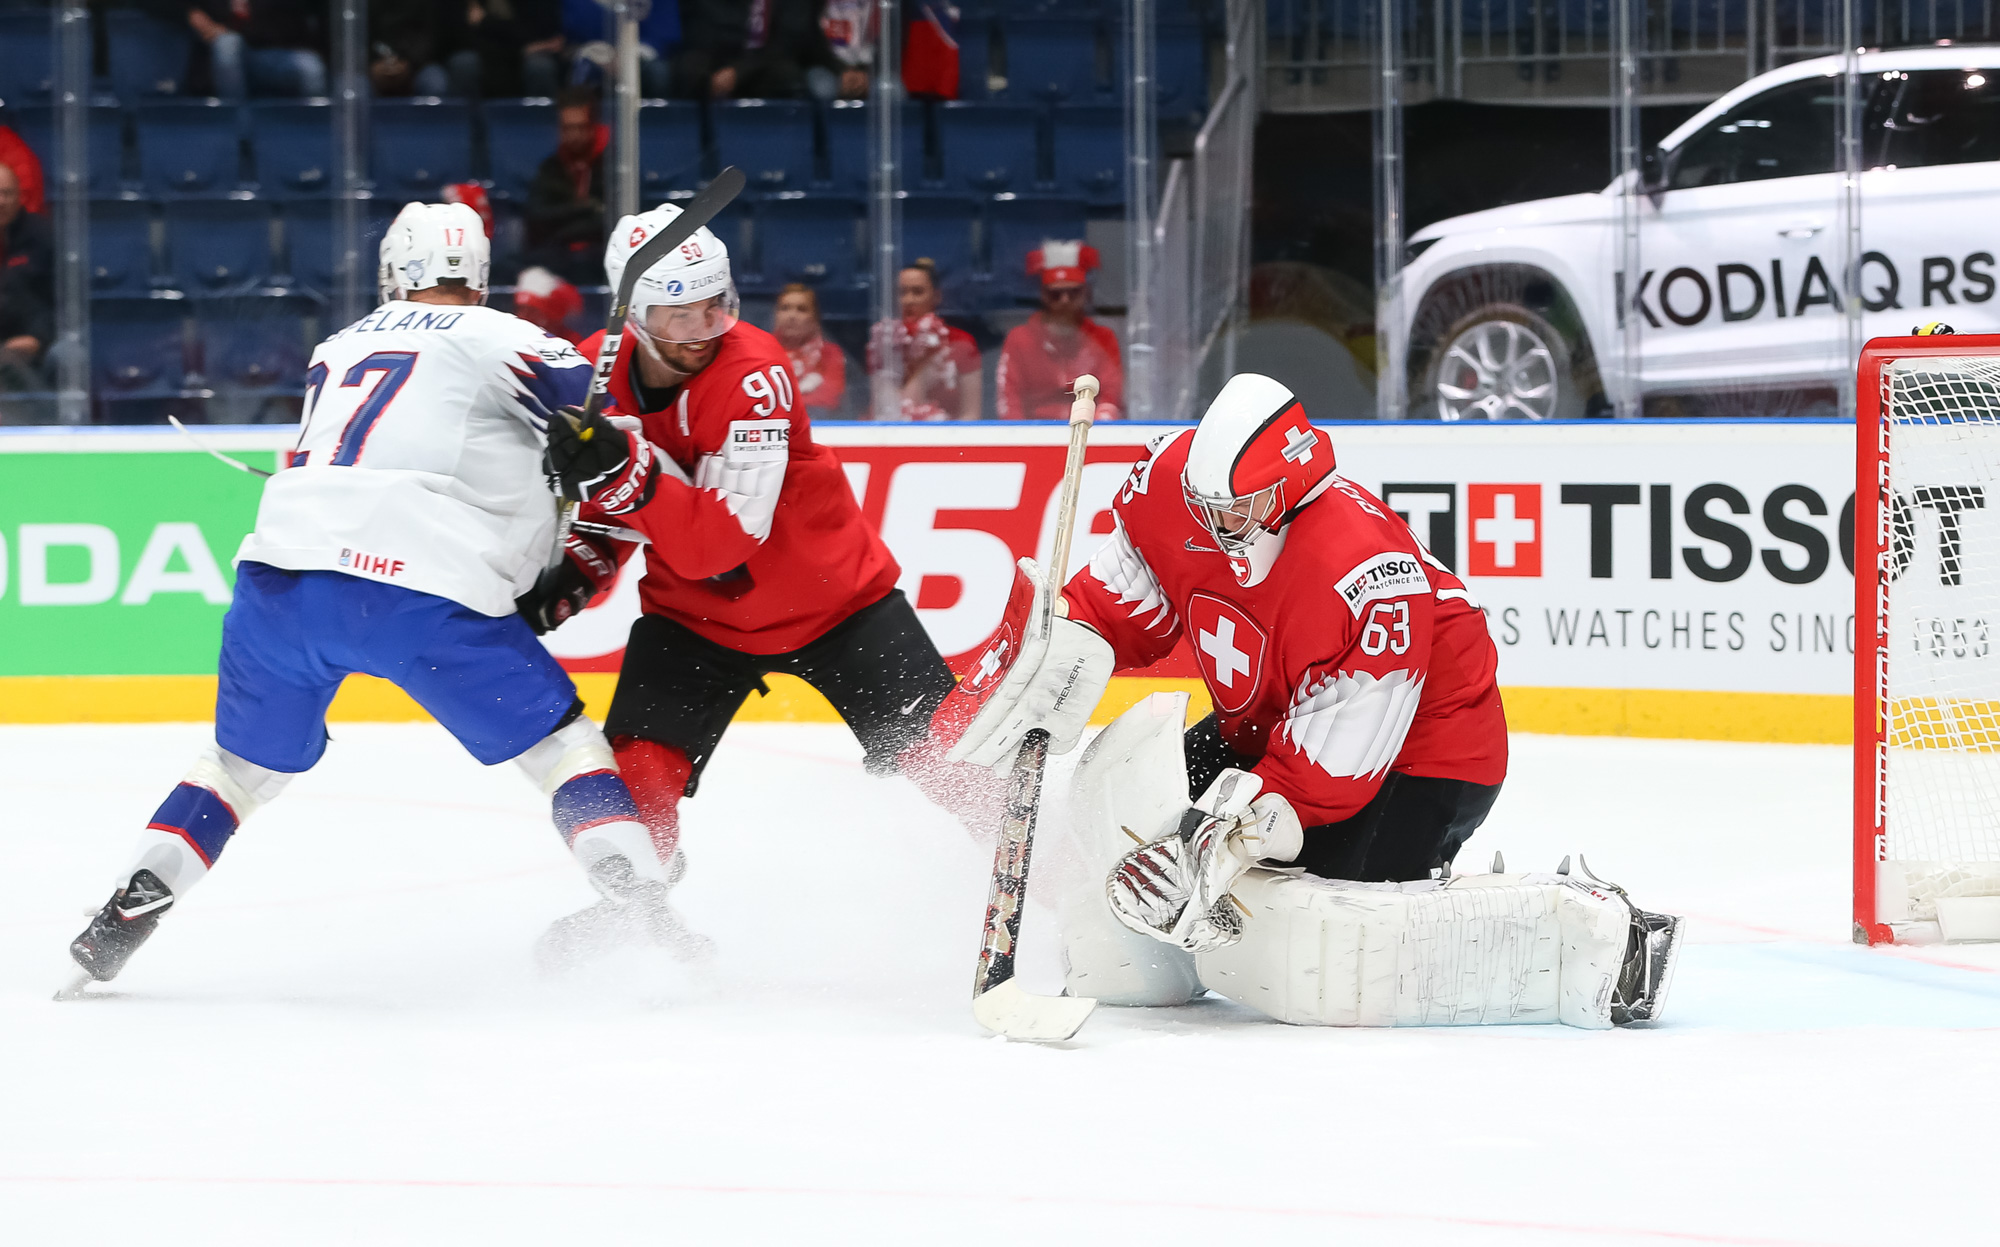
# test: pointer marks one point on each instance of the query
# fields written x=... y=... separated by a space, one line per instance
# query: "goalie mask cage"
x=1927 y=641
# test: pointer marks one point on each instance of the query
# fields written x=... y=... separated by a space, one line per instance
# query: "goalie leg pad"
x=1132 y=776
x=191 y=827
x=1479 y=950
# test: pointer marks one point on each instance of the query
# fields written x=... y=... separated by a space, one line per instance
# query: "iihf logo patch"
x=414 y=270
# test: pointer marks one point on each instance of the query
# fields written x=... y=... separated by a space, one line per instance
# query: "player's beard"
x=681 y=360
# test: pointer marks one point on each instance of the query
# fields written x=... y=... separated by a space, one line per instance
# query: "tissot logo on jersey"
x=1384 y=576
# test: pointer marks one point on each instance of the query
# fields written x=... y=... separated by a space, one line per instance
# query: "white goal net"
x=1936 y=833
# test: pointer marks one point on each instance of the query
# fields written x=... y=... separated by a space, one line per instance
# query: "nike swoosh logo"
x=913 y=704
x=1201 y=549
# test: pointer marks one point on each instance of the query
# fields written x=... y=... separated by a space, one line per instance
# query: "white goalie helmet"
x=1254 y=461
x=689 y=296
x=429 y=243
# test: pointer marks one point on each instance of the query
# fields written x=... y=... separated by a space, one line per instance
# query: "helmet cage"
x=1236 y=522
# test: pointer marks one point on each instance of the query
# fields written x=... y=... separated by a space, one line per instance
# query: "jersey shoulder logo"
x=1230 y=647
x=1387 y=575
x=757 y=441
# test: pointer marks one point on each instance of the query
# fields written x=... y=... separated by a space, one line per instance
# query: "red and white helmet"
x=429 y=243
x=687 y=297
x=1254 y=461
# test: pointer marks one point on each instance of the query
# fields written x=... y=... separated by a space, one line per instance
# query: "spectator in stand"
x=941 y=371
x=755 y=49
x=547 y=301
x=565 y=216
x=261 y=47
x=1061 y=342
x=405 y=42
x=485 y=47
x=587 y=29
x=849 y=26
x=18 y=156
x=818 y=367
x=27 y=288
x=930 y=51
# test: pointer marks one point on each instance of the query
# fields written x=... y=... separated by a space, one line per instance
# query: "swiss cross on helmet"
x=1254 y=461
x=430 y=243
x=688 y=296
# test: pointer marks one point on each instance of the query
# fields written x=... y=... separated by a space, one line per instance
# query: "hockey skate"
x=118 y=930
x=635 y=912
x=1650 y=952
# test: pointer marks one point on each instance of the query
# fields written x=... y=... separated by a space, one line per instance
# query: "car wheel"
x=1502 y=362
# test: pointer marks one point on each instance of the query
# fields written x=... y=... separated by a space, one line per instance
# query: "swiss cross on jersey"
x=1230 y=647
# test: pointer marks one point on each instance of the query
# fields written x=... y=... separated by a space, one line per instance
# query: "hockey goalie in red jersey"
x=1358 y=731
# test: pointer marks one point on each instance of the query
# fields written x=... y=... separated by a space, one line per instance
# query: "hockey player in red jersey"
x=758 y=558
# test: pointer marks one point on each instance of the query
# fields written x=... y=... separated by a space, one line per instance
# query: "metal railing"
x=1320 y=54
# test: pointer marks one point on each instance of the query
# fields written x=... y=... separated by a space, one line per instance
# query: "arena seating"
x=291 y=147
x=670 y=148
x=189 y=147
x=212 y=223
x=519 y=136
x=989 y=146
x=218 y=246
x=418 y=146
x=772 y=141
x=121 y=247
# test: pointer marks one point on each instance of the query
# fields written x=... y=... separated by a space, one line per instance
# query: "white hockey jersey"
x=419 y=460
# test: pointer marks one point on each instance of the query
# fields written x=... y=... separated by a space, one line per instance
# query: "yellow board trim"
x=1798 y=718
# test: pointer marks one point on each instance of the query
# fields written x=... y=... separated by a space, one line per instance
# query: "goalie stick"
x=999 y=1002
x=699 y=211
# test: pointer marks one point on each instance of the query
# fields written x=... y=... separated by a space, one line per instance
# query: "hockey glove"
x=562 y=591
x=1176 y=889
x=1024 y=681
x=591 y=459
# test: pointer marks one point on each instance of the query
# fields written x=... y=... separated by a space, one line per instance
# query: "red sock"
x=657 y=774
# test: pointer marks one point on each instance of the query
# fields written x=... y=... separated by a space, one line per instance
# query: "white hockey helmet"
x=689 y=296
x=1254 y=461
x=429 y=243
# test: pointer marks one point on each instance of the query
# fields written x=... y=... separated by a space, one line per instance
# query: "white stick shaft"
x=1082 y=410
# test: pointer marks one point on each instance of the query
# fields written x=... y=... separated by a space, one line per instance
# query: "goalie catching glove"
x=1176 y=889
x=1025 y=680
x=599 y=460
x=561 y=592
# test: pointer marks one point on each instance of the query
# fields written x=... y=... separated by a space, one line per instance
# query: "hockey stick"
x=999 y=1002
x=238 y=464
x=699 y=211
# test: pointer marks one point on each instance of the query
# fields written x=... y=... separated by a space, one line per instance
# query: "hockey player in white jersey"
x=394 y=541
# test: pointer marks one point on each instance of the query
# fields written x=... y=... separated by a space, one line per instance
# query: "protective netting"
x=1941 y=705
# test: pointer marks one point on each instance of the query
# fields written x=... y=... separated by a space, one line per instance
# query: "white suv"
x=1509 y=311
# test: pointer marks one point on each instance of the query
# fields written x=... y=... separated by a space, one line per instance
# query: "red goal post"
x=1927 y=640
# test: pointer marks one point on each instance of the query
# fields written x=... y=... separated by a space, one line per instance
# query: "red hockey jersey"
x=1358 y=655
x=756 y=540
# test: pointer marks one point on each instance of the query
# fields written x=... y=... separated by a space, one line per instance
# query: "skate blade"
x=76 y=989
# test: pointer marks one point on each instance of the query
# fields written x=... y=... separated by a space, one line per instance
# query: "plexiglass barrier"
x=1405 y=209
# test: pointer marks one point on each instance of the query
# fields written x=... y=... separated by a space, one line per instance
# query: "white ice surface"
x=338 y=1038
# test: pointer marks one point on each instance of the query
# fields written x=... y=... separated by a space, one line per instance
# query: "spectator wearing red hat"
x=549 y=303
x=941 y=372
x=1061 y=342
x=819 y=367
